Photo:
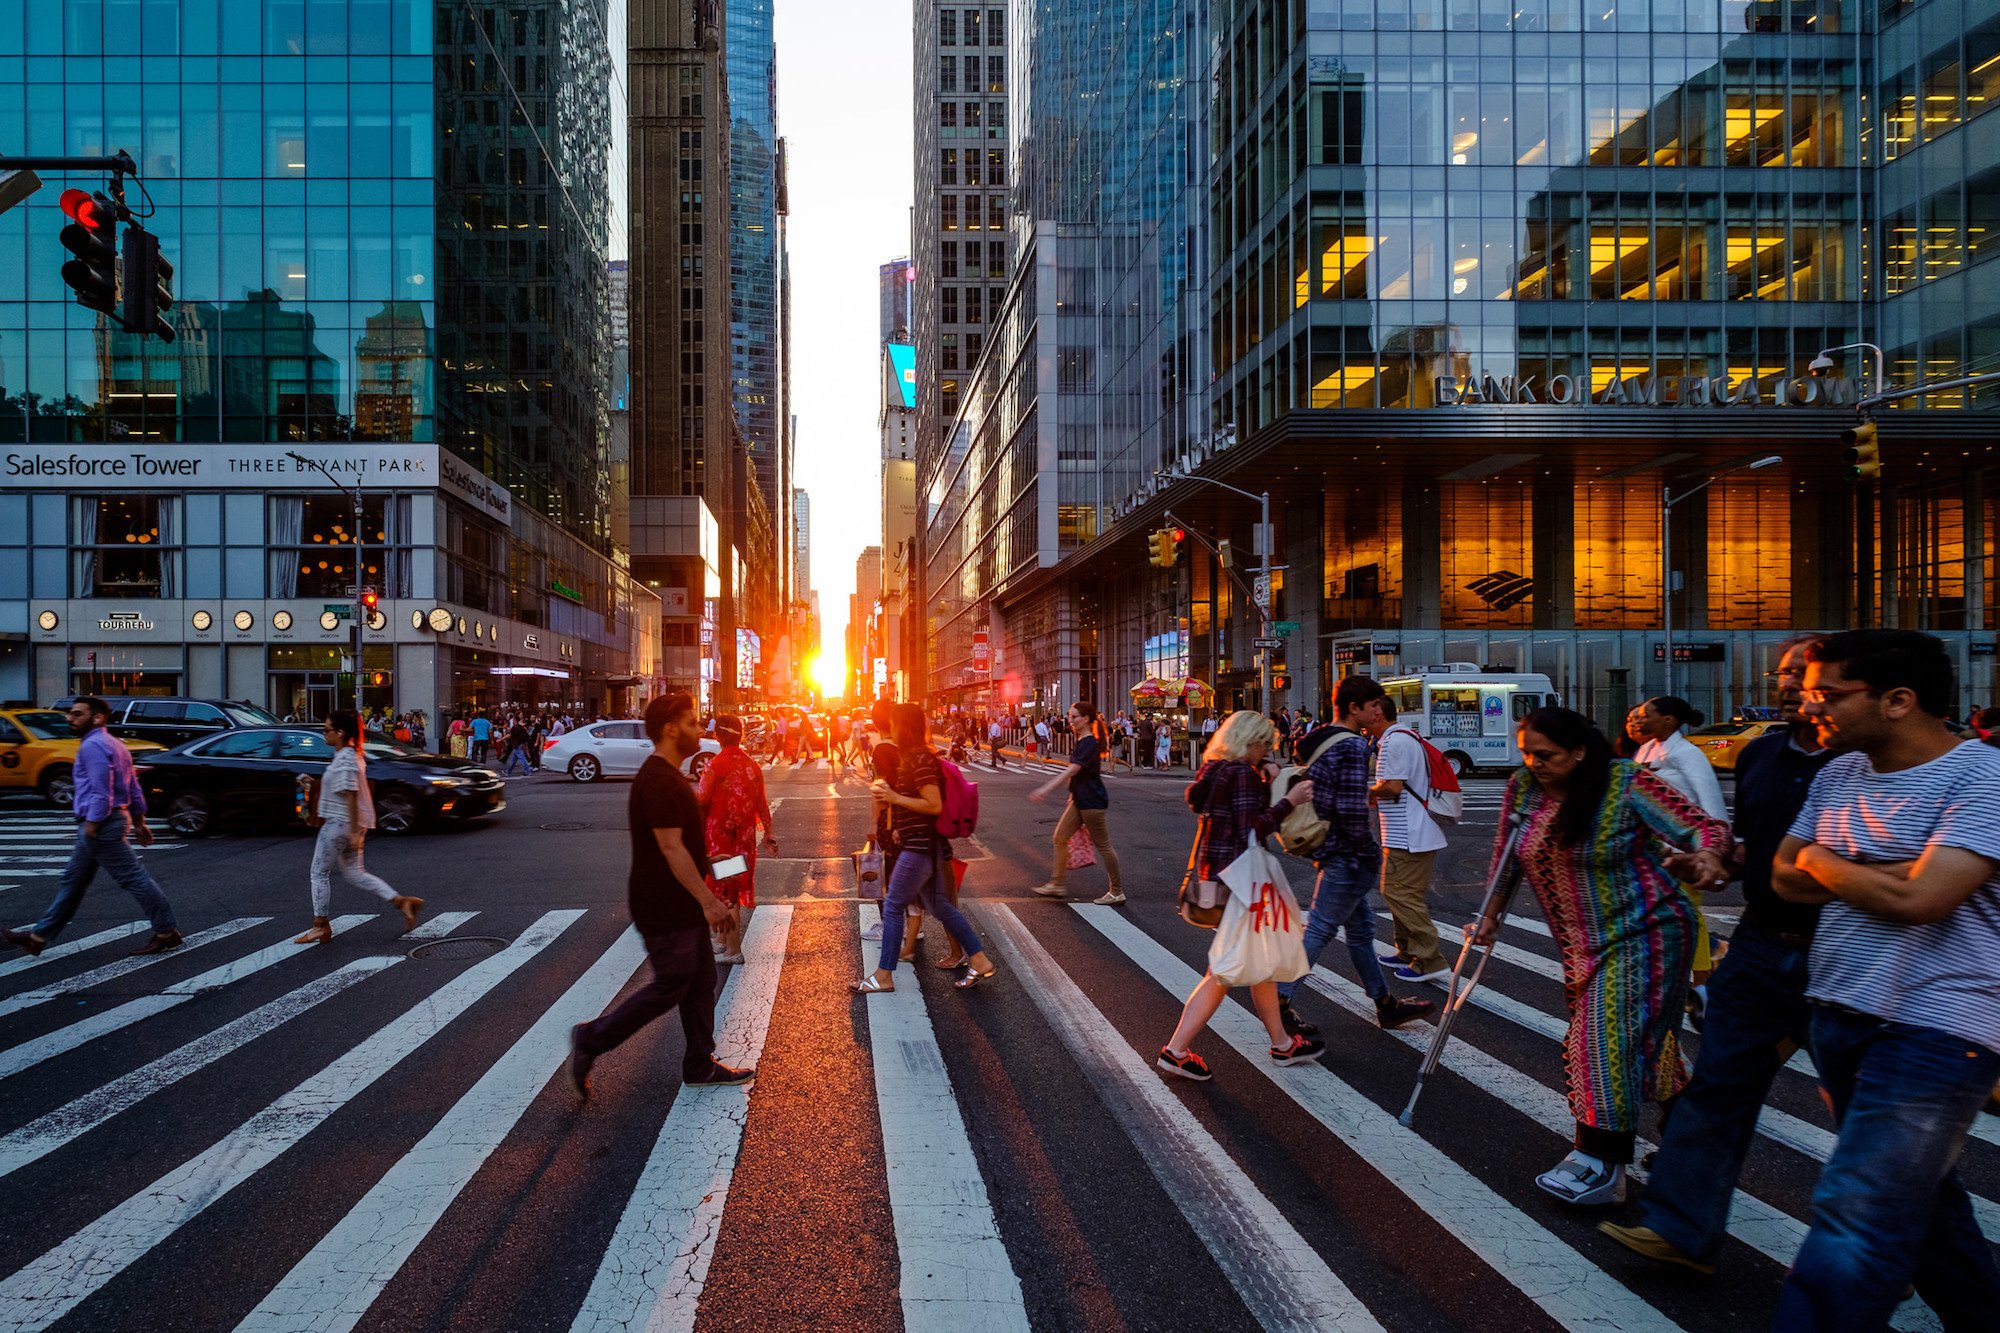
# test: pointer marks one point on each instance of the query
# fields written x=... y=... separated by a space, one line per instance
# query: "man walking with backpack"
x=1411 y=841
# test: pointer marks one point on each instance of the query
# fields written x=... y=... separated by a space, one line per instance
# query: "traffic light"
x=1863 y=455
x=92 y=236
x=1175 y=536
x=1159 y=548
x=370 y=599
x=149 y=286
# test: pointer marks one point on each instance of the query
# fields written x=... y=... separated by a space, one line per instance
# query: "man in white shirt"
x=1411 y=841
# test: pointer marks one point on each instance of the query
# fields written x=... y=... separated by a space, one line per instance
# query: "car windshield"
x=45 y=726
x=1721 y=729
x=378 y=746
x=248 y=715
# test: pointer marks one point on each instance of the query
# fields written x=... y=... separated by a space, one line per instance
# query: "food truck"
x=1470 y=714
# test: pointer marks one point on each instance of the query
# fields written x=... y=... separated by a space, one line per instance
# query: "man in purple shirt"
x=110 y=808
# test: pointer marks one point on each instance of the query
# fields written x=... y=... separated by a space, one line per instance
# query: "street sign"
x=1260 y=591
x=1267 y=643
x=1285 y=628
x=345 y=610
x=1692 y=652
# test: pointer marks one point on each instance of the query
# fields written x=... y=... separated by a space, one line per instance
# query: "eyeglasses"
x=1828 y=696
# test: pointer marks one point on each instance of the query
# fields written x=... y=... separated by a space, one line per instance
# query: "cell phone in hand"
x=730 y=866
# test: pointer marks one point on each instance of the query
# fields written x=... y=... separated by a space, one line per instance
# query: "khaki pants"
x=1406 y=877
x=1100 y=838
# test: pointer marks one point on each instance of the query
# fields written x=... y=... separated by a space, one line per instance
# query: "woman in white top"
x=345 y=812
x=1656 y=724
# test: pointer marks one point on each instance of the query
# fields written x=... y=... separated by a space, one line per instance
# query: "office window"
x=996 y=166
x=948 y=351
x=973 y=342
x=972 y=28
x=972 y=166
x=126 y=546
x=948 y=256
x=996 y=213
x=947 y=74
x=948 y=305
x=972 y=212
x=972 y=74
x=972 y=114
x=948 y=118
x=948 y=28
x=996 y=27
x=973 y=306
x=996 y=74
x=948 y=167
x=948 y=212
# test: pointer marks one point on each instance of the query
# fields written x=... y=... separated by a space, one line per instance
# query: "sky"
x=844 y=94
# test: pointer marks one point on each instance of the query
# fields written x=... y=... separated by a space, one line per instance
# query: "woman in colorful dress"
x=733 y=806
x=1604 y=844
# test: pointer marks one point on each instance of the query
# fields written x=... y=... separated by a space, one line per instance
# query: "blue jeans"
x=519 y=754
x=1889 y=1208
x=1340 y=903
x=917 y=875
x=1756 y=1004
x=111 y=851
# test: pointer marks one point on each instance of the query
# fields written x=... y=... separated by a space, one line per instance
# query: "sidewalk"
x=1019 y=757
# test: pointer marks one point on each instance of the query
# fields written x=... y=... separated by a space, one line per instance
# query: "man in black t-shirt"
x=672 y=908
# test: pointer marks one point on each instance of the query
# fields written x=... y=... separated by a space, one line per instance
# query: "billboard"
x=903 y=370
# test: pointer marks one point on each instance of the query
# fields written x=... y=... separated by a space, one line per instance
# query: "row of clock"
x=438 y=619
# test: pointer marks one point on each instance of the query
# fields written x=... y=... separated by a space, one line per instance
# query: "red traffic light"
x=370 y=598
x=1179 y=534
x=84 y=208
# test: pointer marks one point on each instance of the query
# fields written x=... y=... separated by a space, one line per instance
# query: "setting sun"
x=829 y=672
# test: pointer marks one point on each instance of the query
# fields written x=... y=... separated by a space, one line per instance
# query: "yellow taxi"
x=1721 y=742
x=38 y=750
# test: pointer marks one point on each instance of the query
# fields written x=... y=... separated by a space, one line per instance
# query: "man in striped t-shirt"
x=1900 y=839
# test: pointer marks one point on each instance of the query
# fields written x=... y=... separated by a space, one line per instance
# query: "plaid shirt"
x=1340 y=794
x=1236 y=800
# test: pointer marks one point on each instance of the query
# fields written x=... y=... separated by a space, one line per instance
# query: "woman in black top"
x=1088 y=804
x=921 y=863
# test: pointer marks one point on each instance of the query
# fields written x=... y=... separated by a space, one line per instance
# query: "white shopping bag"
x=1263 y=934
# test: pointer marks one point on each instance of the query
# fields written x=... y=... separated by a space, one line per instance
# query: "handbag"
x=1201 y=900
x=1082 y=852
x=868 y=875
x=1263 y=932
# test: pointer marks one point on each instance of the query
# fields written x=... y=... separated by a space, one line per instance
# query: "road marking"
x=955 y=1269
x=59 y=951
x=65 y=1039
x=438 y=926
x=332 y=1287
x=97 y=976
x=44 y=1135
x=656 y=1264
x=1565 y=1284
x=49 y=1287
x=1279 y=1276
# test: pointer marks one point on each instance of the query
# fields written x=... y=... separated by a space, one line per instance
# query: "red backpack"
x=1445 y=799
x=959 y=815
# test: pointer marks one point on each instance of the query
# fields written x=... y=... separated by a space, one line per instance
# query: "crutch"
x=1500 y=887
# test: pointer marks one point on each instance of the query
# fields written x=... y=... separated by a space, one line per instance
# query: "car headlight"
x=446 y=782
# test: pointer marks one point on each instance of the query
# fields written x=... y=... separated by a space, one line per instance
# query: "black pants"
x=684 y=975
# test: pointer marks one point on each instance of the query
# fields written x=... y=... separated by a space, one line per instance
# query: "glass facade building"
x=390 y=224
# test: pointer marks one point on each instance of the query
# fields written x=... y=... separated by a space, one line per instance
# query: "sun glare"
x=830 y=674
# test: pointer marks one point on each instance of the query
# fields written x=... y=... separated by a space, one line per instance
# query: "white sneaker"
x=1109 y=900
x=873 y=932
x=1584 y=1182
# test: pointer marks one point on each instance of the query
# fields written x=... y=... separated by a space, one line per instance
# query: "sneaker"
x=579 y=1063
x=1303 y=1050
x=1190 y=1066
x=873 y=932
x=1408 y=972
x=1111 y=899
x=1646 y=1241
x=1697 y=1007
x=1392 y=959
x=1051 y=890
x=1584 y=1182
x=1393 y=1011
x=160 y=943
x=720 y=1075
x=1295 y=1025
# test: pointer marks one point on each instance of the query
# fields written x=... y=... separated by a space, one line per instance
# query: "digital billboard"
x=903 y=366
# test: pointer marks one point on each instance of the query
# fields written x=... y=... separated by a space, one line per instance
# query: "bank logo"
x=1502 y=588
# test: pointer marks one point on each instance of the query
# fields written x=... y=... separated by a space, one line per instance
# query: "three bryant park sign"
x=1645 y=390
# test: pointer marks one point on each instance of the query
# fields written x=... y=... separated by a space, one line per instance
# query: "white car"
x=615 y=750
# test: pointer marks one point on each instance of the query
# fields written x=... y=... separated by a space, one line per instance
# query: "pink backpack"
x=960 y=813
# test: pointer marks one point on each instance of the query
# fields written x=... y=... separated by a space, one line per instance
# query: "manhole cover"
x=566 y=826
x=458 y=947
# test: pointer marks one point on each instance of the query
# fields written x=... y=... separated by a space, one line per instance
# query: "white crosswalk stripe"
x=97 y=976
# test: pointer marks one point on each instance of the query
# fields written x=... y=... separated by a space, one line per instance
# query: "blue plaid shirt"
x=1340 y=794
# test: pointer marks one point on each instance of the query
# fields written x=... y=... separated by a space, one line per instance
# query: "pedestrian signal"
x=92 y=237
x=149 y=286
x=1863 y=455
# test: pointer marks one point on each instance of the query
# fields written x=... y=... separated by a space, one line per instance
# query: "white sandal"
x=868 y=985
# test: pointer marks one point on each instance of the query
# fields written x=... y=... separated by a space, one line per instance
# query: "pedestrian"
x=517 y=749
x=994 y=734
x=672 y=909
x=1411 y=841
x=1042 y=737
x=1601 y=844
x=1350 y=860
x=1898 y=841
x=344 y=811
x=1088 y=805
x=1232 y=795
x=734 y=806
x=110 y=809
x=1757 y=1008
x=1163 y=743
x=482 y=736
x=1656 y=724
x=1144 y=738
x=923 y=858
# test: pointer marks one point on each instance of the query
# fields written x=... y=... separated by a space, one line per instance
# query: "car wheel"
x=699 y=765
x=1459 y=763
x=396 y=812
x=188 y=814
x=58 y=785
x=584 y=768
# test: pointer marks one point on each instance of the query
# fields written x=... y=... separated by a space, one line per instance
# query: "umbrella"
x=1196 y=693
x=1150 y=690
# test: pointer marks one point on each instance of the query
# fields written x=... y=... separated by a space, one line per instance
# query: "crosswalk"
x=35 y=842
x=335 y=1125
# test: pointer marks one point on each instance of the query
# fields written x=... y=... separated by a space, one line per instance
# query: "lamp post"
x=1667 y=502
x=360 y=611
x=1264 y=537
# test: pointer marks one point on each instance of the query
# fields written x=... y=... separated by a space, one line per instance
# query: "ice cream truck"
x=1470 y=714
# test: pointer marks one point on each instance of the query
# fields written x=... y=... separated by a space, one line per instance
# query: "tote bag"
x=1263 y=932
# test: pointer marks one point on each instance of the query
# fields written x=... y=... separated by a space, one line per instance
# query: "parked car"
x=1721 y=742
x=169 y=721
x=615 y=750
x=38 y=752
x=251 y=775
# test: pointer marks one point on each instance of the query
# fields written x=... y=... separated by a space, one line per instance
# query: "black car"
x=251 y=775
x=165 y=720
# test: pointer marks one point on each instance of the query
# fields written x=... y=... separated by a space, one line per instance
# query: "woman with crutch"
x=1601 y=844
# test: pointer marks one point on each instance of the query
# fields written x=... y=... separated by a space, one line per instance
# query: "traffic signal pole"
x=1265 y=540
x=360 y=591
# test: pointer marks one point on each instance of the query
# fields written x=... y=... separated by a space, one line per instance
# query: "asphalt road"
x=374 y=1132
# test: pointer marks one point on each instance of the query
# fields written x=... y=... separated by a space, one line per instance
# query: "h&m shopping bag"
x=1263 y=932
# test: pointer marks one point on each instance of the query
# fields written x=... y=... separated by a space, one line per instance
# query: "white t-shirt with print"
x=347 y=773
x=1406 y=823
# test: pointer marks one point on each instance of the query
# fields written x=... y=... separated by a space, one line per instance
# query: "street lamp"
x=1161 y=479
x=1823 y=363
x=360 y=610
x=1667 y=502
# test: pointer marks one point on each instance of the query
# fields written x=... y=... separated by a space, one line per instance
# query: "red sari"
x=733 y=806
